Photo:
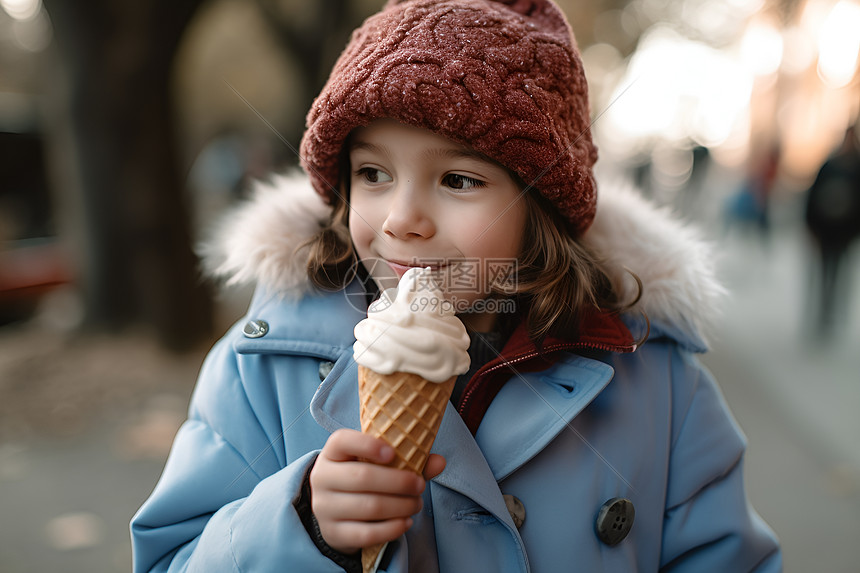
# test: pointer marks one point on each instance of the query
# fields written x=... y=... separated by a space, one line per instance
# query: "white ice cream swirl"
x=413 y=329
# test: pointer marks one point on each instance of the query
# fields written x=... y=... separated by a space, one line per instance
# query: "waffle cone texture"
x=405 y=410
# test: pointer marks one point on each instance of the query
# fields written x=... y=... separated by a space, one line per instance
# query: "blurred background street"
x=127 y=128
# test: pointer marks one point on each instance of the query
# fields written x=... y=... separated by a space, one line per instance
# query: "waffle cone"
x=405 y=410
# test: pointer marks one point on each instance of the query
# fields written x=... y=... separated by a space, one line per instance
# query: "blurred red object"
x=29 y=269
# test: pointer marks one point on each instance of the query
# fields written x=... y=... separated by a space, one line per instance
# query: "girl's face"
x=418 y=199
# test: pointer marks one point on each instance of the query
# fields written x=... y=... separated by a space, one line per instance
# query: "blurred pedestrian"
x=833 y=219
x=749 y=206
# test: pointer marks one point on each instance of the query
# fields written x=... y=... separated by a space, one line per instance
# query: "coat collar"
x=542 y=404
x=601 y=331
x=288 y=330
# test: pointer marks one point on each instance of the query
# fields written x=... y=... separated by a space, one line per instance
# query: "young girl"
x=455 y=135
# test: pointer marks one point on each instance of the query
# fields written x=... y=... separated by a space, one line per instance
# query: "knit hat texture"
x=503 y=77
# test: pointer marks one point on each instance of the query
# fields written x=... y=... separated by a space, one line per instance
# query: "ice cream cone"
x=410 y=350
x=405 y=410
x=370 y=556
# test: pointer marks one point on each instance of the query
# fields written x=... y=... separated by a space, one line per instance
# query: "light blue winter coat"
x=649 y=426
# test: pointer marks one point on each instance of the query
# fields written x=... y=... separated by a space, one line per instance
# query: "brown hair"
x=331 y=258
x=557 y=280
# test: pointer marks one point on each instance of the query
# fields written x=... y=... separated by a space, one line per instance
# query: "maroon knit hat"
x=503 y=77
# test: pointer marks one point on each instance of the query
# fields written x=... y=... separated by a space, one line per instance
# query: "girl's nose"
x=408 y=216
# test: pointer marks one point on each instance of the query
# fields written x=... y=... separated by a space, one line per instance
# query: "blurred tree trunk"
x=314 y=34
x=120 y=179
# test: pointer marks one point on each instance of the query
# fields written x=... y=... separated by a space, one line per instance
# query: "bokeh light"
x=21 y=9
x=838 y=44
x=679 y=90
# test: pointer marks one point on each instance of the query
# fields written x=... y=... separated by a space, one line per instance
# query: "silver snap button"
x=256 y=328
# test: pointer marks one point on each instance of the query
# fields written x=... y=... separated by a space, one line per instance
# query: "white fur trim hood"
x=256 y=244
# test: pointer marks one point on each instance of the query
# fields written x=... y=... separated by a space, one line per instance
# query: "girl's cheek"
x=356 y=233
x=360 y=233
x=358 y=220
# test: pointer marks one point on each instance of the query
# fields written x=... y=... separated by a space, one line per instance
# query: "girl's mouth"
x=400 y=267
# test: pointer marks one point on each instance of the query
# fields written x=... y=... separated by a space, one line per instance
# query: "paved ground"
x=85 y=425
x=796 y=399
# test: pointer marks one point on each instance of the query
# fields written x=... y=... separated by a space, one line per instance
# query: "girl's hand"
x=357 y=501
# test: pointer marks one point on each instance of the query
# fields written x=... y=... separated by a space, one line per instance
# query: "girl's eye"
x=461 y=182
x=373 y=175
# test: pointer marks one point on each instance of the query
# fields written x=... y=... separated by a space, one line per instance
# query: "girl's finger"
x=353 y=535
x=435 y=465
x=363 y=477
x=366 y=507
x=346 y=445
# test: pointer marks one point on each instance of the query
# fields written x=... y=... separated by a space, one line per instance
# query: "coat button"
x=516 y=509
x=325 y=368
x=256 y=328
x=614 y=520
